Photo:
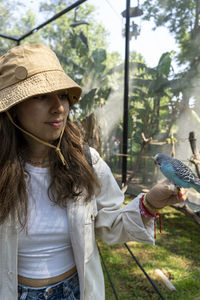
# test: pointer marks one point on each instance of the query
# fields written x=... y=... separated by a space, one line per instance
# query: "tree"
x=151 y=99
x=82 y=52
x=182 y=19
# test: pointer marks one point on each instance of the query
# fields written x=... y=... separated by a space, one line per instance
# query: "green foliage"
x=82 y=53
x=6 y=13
x=99 y=56
x=169 y=141
x=177 y=15
x=164 y=64
x=93 y=99
x=150 y=94
x=182 y=19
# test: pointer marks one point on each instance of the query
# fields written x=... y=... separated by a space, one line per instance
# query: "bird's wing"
x=185 y=173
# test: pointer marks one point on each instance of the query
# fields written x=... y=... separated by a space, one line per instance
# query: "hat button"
x=21 y=73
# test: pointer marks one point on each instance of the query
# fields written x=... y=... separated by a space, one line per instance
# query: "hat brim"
x=40 y=83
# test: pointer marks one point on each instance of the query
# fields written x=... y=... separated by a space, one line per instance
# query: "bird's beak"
x=155 y=162
x=153 y=157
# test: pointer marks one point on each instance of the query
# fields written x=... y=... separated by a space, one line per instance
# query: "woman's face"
x=44 y=115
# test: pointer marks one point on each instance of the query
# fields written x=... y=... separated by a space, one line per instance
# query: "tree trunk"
x=145 y=141
x=188 y=212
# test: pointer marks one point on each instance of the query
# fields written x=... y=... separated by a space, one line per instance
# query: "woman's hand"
x=163 y=194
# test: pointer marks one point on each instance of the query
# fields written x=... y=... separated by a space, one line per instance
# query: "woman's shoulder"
x=96 y=161
x=95 y=157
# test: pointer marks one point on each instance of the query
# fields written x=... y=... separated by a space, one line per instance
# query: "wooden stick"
x=164 y=278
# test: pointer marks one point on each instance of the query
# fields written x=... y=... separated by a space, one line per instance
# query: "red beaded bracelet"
x=146 y=213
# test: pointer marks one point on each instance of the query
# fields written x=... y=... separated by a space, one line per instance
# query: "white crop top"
x=45 y=250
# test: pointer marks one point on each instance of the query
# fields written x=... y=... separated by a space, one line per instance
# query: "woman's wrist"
x=146 y=209
x=149 y=206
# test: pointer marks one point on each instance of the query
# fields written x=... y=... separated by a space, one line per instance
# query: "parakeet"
x=177 y=172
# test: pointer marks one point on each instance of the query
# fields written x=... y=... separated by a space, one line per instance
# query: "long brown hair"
x=66 y=183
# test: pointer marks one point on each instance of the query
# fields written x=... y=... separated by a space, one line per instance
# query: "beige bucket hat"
x=32 y=69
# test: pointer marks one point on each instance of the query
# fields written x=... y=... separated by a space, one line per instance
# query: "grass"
x=177 y=254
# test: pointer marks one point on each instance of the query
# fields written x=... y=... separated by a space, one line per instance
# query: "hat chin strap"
x=57 y=148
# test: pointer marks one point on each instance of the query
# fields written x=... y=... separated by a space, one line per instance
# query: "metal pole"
x=126 y=94
x=19 y=39
x=9 y=37
x=52 y=19
x=145 y=273
x=108 y=274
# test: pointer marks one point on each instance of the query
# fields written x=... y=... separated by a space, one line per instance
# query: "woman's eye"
x=63 y=96
x=40 y=97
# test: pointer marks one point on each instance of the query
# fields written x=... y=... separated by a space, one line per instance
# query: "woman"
x=53 y=203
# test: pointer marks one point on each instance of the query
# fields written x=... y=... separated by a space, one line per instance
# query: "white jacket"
x=103 y=217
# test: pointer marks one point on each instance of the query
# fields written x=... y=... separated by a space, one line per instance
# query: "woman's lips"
x=55 y=124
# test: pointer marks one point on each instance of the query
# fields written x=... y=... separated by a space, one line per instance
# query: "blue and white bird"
x=177 y=172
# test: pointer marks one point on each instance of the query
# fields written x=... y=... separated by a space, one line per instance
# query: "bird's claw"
x=179 y=191
x=172 y=187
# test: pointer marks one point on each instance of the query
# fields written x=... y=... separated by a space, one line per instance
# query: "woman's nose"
x=56 y=104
